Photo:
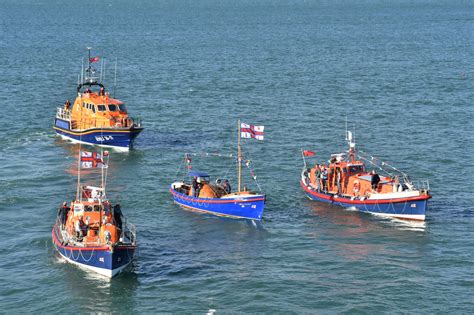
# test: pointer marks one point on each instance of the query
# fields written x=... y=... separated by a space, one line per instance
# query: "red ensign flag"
x=308 y=153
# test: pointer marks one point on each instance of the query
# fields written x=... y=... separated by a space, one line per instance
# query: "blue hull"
x=244 y=206
x=101 y=259
x=110 y=137
x=413 y=208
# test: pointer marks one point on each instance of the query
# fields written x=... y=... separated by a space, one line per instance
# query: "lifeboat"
x=95 y=117
x=384 y=190
x=201 y=194
x=93 y=233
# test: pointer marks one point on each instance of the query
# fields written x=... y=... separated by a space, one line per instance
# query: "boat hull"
x=120 y=138
x=104 y=260
x=240 y=207
x=412 y=208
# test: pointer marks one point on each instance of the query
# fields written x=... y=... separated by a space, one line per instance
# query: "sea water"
x=400 y=71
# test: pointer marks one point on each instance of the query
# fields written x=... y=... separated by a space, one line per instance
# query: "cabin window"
x=101 y=108
x=96 y=208
x=356 y=169
x=88 y=208
x=112 y=107
x=93 y=108
x=123 y=108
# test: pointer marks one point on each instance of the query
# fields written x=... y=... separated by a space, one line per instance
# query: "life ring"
x=356 y=187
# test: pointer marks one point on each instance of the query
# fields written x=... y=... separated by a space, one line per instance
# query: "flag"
x=94 y=59
x=251 y=131
x=92 y=160
x=309 y=153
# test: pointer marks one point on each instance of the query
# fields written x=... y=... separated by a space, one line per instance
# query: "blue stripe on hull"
x=104 y=259
x=243 y=207
x=404 y=208
x=104 y=137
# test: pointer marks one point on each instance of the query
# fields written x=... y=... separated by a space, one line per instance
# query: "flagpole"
x=102 y=167
x=106 y=169
x=78 y=172
x=239 y=157
x=89 y=62
x=304 y=160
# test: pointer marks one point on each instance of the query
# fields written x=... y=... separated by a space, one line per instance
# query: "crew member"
x=78 y=227
x=62 y=213
x=338 y=180
x=318 y=177
x=374 y=180
x=227 y=188
x=118 y=216
x=67 y=105
x=324 y=178
x=194 y=186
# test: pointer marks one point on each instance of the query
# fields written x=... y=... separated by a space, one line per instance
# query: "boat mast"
x=105 y=177
x=115 y=76
x=78 y=173
x=239 y=157
x=89 y=62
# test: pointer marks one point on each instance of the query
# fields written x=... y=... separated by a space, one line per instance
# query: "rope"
x=373 y=161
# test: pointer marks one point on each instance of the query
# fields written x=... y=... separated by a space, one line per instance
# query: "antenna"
x=101 y=68
x=115 y=75
x=82 y=70
x=346 y=129
x=354 y=128
x=104 y=72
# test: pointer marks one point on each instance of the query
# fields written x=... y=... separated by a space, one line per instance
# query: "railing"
x=423 y=185
x=63 y=114
x=136 y=121
x=128 y=232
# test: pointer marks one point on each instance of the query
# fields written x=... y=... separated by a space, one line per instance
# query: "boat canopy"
x=90 y=84
x=198 y=174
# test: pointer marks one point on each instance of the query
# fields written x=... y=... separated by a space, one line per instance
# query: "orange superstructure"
x=96 y=110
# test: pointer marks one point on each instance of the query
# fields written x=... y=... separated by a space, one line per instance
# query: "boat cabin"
x=93 y=221
x=349 y=178
x=201 y=187
x=96 y=109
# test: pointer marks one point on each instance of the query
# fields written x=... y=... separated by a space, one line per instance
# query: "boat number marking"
x=104 y=138
x=101 y=259
x=413 y=205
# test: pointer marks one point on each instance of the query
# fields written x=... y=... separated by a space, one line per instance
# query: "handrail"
x=63 y=114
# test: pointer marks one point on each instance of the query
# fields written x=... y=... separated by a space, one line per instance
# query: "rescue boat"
x=91 y=232
x=201 y=194
x=95 y=117
x=346 y=182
